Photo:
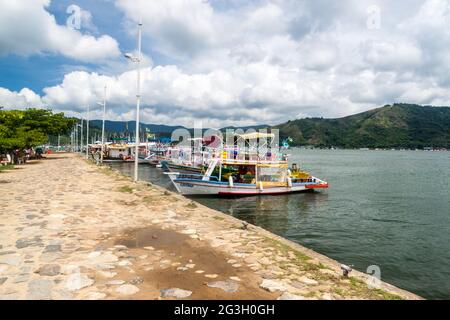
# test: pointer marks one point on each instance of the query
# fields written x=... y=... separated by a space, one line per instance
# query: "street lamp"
x=137 y=60
x=87 y=133
x=103 y=123
x=76 y=137
x=82 y=138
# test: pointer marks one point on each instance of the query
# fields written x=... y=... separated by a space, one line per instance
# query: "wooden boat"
x=184 y=168
x=124 y=153
x=246 y=168
x=244 y=178
x=156 y=154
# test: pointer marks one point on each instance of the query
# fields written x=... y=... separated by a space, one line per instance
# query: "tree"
x=20 y=129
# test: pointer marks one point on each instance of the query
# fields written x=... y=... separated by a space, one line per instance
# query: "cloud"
x=23 y=99
x=243 y=63
x=26 y=28
x=177 y=26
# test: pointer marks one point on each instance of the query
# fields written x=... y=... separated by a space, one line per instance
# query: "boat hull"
x=199 y=187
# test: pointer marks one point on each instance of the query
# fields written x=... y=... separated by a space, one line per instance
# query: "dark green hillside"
x=398 y=125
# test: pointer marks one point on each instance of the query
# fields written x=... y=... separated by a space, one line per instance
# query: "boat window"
x=272 y=174
x=240 y=173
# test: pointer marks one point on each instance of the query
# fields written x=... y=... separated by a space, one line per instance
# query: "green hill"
x=398 y=125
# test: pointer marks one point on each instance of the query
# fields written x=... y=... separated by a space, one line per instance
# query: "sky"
x=224 y=62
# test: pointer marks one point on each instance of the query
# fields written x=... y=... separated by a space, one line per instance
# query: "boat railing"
x=193 y=176
x=253 y=157
x=255 y=162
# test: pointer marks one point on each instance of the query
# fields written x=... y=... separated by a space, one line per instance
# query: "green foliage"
x=7 y=167
x=126 y=189
x=28 y=128
x=399 y=125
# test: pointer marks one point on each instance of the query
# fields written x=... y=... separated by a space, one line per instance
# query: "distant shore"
x=72 y=230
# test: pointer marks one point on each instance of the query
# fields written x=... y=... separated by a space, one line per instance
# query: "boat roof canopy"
x=256 y=135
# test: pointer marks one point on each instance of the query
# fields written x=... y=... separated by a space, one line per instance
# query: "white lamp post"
x=87 y=133
x=76 y=137
x=138 y=98
x=82 y=136
x=103 y=124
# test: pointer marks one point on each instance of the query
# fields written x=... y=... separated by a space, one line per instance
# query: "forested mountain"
x=398 y=125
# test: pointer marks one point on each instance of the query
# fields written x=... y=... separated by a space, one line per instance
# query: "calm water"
x=385 y=208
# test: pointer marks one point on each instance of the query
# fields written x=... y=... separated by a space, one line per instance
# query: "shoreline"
x=184 y=243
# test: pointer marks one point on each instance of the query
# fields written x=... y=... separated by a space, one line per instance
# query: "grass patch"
x=218 y=218
x=191 y=205
x=339 y=292
x=310 y=294
x=7 y=167
x=359 y=288
x=299 y=257
x=148 y=199
x=125 y=189
x=354 y=288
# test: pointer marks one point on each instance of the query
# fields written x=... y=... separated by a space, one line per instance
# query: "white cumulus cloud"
x=27 y=28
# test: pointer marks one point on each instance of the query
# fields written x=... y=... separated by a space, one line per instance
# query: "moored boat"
x=244 y=178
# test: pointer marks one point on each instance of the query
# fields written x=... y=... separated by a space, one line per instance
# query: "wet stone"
x=176 y=293
x=227 y=286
